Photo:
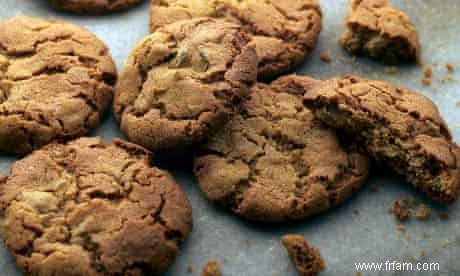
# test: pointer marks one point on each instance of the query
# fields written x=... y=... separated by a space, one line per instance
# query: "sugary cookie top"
x=283 y=31
x=182 y=80
x=55 y=82
x=89 y=208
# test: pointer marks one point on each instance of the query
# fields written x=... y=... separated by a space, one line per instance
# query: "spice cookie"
x=182 y=81
x=397 y=126
x=379 y=30
x=93 y=6
x=87 y=209
x=284 y=32
x=56 y=81
x=274 y=162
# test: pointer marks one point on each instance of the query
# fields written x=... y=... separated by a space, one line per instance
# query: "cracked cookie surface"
x=284 y=32
x=90 y=209
x=93 y=6
x=379 y=30
x=182 y=81
x=397 y=126
x=274 y=162
x=56 y=81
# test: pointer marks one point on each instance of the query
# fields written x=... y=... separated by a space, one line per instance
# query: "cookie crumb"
x=457 y=104
x=401 y=210
x=391 y=70
x=426 y=82
x=359 y=274
x=248 y=243
x=190 y=268
x=306 y=258
x=427 y=72
x=326 y=56
x=446 y=79
x=211 y=268
x=443 y=216
x=401 y=228
x=423 y=212
x=450 y=67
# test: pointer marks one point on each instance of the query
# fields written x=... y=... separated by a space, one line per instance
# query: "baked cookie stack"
x=215 y=77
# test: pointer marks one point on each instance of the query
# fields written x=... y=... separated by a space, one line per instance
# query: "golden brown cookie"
x=56 y=81
x=93 y=6
x=182 y=81
x=397 y=126
x=379 y=30
x=284 y=32
x=87 y=208
x=274 y=162
x=306 y=258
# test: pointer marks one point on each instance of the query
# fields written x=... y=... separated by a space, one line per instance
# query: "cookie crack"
x=221 y=96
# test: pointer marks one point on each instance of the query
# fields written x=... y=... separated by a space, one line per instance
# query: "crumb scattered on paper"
x=212 y=268
x=401 y=210
x=427 y=72
x=326 y=56
x=450 y=67
x=248 y=243
x=426 y=82
x=423 y=212
x=391 y=70
x=443 y=216
x=401 y=228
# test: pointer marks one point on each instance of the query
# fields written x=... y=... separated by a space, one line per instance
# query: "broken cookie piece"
x=397 y=126
x=381 y=31
x=306 y=258
x=212 y=268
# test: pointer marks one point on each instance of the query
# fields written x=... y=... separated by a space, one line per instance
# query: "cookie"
x=306 y=258
x=396 y=126
x=91 y=208
x=377 y=29
x=284 y=32
x=93 y=6
x=56 y=81
x=211 y=268
x=182 y=81
x=274 y=162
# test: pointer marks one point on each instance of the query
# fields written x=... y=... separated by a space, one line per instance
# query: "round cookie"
x=87 y=209
x=56 y=81
x=275 y=162
x=284 y=32
x=93 y=6
x=182 y=81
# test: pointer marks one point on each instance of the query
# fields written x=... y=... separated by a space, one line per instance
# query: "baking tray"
x=361 y=230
